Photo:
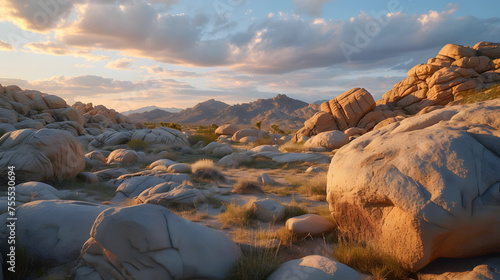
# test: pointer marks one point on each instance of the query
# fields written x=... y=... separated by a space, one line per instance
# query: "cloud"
x=311 y=8
x=61 y=49
x=120 y=64
x=156 y=70
x=4 y=46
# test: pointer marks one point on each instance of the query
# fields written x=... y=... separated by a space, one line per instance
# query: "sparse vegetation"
x=263 y=141
x=314 y=186
x=171 y=125
x=137 y=144
x=472 y=96
x=205 y=169
x=293 y=147
x=294 y=209
x=205 y=134
x=368 y=260
x=213 y=201
x=255 y=264
x=258 y=125
x=247 y=187
x=276 y=129
x=238 y=215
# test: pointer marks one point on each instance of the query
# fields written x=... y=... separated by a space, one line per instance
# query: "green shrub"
x=137 y=144
x=472 y=96
x=172 y=125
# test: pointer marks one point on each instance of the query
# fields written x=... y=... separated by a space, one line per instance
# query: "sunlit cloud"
x=61 y=49
x=121 y=64
x=4 y=46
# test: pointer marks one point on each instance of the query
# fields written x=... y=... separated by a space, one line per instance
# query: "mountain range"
x=151 y=108
x=286 y=112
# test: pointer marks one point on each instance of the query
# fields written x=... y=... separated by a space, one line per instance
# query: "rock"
x=122 y=156
x=321 y=121
x=354 y=131
x=54 y=231
x=268 y=210
x=5 y=127
x=295 y=157
x=264 y=179
x=265 y=148
x=111 y=173
x=310 y=224
x=184 y=194
x=224 y=139
x=455 y=52
x=87 y=177
x=329 y=139
x=72 y=127
x=248 y=139
x=315 y=169
x=258 y=134
x=179 y=168
x=485 y=268
x=480 y=64
x=491 y=50
x=222 y=151
x=54 y=102
x=227 y=129
x=212 y=146
x=29 y=123
x=32 y=191
x=417 y=188
x=164 y=246
x=162 y=164
x=10 y=116
x=314 y=267
x=234 y=160
x=164 y=136
x=348 y=108
x=133 y=187
x=69 y=114
x=41 y=155
x=110 y=139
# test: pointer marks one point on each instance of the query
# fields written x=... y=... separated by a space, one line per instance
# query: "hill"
x=286 y=112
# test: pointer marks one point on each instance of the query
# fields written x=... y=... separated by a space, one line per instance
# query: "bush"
x=472 y=96
x=172 y=125
x=237 y=215
x=368 y=260
x=205 y=134
x=255 y=264
x=205 y=169
x=247 y=187
x=276 y=129
x=137 y=144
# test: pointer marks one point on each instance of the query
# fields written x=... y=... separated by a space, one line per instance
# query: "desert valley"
x=404 y=187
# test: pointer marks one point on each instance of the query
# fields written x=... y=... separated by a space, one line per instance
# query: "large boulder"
x=227 y=129
x=54 y=231
x=240 y=134
x=122 y=156
x=491 y=50
x=423 y=188
x=125 y=245
x=329 y=139
x=314 y=267
x=41 y=155
x=163 y=136
x=349 y=107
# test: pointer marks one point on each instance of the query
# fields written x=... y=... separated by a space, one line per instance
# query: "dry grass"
x=293 y=147
x=368 y=260
x=313 y=186
x=137 y=144
x=205 y=169
x=238 y=215
x=255 y=264
x=472 y=96
x=294 y=209
x=247 y=187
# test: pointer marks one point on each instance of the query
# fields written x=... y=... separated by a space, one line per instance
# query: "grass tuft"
x=368 y=260
x=137 y=144
x=255 y=264
x=205 y=169
x=314 y=186
x=294 y=209
x=238 y=215
x=247 y=187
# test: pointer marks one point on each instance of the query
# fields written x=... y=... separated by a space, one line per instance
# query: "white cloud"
x=61 y=49
x=120 y=64
x=312 y=8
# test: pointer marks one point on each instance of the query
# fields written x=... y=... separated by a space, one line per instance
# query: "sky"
x=176 y=53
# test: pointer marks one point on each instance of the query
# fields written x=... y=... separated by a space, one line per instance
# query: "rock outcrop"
x=124 y=245
x=41 y=155
x=423 y=188
x=442 y=80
